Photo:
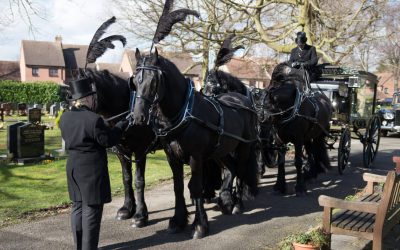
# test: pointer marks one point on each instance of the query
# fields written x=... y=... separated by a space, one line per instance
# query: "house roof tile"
x=10 y=70
x=34 y=51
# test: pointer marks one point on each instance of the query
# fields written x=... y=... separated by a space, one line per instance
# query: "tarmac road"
x=266 y=221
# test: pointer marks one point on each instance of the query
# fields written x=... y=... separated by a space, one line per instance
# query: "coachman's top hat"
x=80 y=88
x=301 y=38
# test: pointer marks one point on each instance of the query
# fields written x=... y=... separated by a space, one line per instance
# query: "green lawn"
x=26 y=190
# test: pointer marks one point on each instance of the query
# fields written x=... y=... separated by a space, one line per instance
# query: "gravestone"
x=30 y=141
x=34 y=115
x=7 y=108
x=37 y=106
x=54 y=109
x=12 y=138
x=22 y=109
x=2 y=114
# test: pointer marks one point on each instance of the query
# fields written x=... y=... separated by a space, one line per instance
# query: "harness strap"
x=224 y=133
x=220 y=112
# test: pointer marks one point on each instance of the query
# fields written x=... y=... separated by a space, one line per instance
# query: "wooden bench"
x=370 y=217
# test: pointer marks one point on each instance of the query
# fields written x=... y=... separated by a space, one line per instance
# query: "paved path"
x=267 y=219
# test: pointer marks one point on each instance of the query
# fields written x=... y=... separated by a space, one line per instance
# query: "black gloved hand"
x=123 y=124
x=295 y=64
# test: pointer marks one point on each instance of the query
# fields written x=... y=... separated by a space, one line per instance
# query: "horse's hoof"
x=238 y=209
x=124 y=213
x=279 y=191
x=208 y=201
x=227 y=210
x=139 y=223
x=173 y=228
x=199 y=232
x=301 y=194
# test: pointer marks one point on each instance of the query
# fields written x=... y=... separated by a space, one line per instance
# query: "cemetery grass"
x=33 y=191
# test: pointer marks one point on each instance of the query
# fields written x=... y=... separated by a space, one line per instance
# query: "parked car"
x=390 y=118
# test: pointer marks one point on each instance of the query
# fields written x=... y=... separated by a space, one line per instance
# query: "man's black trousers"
x=85 y=223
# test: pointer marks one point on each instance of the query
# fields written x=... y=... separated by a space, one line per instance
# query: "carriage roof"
x=335 y=75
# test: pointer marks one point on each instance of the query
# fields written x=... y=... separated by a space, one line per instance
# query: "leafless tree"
x=335 y=28
x=23 y=10
x=194 y=36
x=389 y=46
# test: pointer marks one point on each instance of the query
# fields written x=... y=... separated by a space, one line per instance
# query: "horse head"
x=212 y=85
x=148 y=83
x=279 y=100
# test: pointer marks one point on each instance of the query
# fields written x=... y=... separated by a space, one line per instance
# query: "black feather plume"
x=97 y=48
x=101 y=47
x=226 y=51
x=168 y=19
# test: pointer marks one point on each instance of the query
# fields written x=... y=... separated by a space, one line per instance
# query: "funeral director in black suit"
x=304 y=55
x=86 y=138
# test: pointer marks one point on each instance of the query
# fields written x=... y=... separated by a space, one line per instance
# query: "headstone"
x=7 y=108
x=22 y=109
x=12 y=138
x=34 y=115
x=30 y=141
x=37 y=106
x=2 y=114
x=54 y=109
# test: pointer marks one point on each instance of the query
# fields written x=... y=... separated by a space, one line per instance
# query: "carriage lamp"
x=384 y=123
x=334 y=103
x=354 y=82
x=388 y=116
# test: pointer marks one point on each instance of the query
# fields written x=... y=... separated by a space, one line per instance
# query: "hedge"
x=32 y=92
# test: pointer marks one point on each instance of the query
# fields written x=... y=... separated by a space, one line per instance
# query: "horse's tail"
x=212 y=179
x=320 y=153
x=251 y=176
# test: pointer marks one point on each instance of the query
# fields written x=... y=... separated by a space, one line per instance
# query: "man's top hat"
x=80 y=88
x=301 y=38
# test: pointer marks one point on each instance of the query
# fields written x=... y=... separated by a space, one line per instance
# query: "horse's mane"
x=112 y=90
x=280 y=76
x=232 y=83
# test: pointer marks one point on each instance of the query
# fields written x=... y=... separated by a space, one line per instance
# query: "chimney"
x=58 y=38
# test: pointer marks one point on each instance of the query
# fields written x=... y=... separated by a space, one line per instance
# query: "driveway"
x=267 y=219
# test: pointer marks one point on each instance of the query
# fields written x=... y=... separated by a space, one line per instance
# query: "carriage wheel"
x=371 y=141
x=344 y=149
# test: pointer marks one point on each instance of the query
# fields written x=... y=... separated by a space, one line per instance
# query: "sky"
x=75 y=20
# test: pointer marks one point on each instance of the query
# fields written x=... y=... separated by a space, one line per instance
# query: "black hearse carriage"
x=390 y=118
x=353 y=95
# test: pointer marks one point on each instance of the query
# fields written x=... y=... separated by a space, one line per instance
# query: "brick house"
x=42 y=61
x=9 y=70
x=254 y=72
x=386 y=86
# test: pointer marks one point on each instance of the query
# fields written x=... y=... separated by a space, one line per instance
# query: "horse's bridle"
x=158 y=97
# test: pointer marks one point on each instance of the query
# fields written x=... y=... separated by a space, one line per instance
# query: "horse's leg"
x=225 y=200
x=129 y=207
x=200 y=223
x=141 y=216
x=310 y=173
x=280 y=185
x=298 y=162
x=180 y=219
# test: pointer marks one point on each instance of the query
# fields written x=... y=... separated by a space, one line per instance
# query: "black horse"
x=197 y=128
x=113 y=99
x=218 y=82
x=301 y=118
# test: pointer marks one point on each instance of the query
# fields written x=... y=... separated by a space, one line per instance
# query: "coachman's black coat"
x=86 y=139
x=307 y=56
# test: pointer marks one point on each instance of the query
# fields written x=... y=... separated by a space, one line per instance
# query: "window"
x=35 y=71
x=386 y=91
x=53 y=72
